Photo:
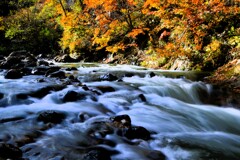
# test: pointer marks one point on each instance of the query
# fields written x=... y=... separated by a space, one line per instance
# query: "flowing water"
x=182 y=127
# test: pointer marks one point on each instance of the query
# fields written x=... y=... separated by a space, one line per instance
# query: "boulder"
x=13 y=74
x=137 y=132
x=9 y=151
x=105 y=89
x=152 y=74
x=71 y=96
x=64 y=58
x=108 y=77
x=19 y=59
x=51 y=116
x=57 y=74
x=121 y=121
x=71 y=69
x=40 y=70
x=123 y=124
x=42 y=63
x=40 y=93
x=44 y=70
x=97 y=155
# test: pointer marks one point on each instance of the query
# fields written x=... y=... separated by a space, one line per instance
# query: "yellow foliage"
x=234 y=41
x=213 y=46
x=115 y=48
x=1 y=26
x=101 y=41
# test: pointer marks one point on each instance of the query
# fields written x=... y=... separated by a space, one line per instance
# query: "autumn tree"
x=32 y=30
x=191 y=26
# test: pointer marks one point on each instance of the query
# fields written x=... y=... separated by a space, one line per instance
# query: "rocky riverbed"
x=103 y=112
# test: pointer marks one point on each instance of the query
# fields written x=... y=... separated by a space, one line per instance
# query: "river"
x=170 y=105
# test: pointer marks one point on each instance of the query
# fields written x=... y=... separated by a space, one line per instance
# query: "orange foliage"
x=104 y=24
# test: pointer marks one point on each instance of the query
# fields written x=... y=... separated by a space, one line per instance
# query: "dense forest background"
x=151 y=33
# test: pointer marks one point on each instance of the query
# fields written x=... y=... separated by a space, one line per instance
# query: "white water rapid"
x=181 y=125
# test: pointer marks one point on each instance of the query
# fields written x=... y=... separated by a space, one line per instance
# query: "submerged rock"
x=51 y=116
x=9 y=151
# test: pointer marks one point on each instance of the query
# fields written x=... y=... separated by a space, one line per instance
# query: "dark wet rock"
x=97 y=155
x=40 y=70
x=108 y=77
x=105 y=89
x=57 y=158
x=73 y=79
x=30 y=137
x=156 y=155
x=13 y=74
x=71 y=96
x=9 y=151
x=2 y=58
x=42 y=63
x=71 y=69
x=18 y=59
x=1 y=95
x=58 y=74
x=85 y=88
x=44 y=70
x=142 y=97
x=52 y=70
x=51 y=117
x=40 y=93
x=121 y=121
x=21 y=96
x=20 y=54
x=11 y=60
x=40 y=80
x=152 y=74
x=119 y=80
x=100 y=129
x=128 y=75
x=83 y=116
x=26 y=71
x=11 y=119
x=135 y=133
x=64 y=58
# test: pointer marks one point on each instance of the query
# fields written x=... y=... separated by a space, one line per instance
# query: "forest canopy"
x=206 y=32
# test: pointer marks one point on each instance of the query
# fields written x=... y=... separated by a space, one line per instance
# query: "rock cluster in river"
x=17 y=66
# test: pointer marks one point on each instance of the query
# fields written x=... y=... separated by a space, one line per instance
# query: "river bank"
x=226 y=83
